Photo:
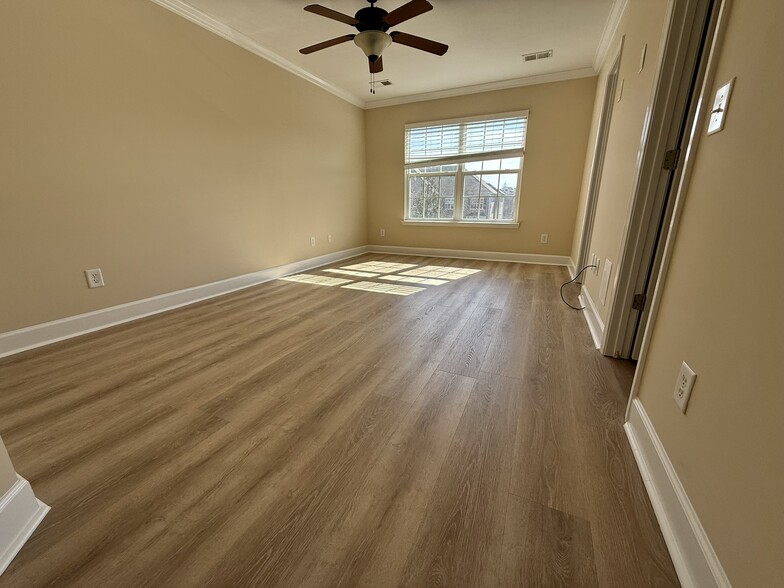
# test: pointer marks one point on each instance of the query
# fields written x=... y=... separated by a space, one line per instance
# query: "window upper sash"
x=451 y=142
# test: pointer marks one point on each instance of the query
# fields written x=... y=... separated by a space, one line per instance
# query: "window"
x=465 y=171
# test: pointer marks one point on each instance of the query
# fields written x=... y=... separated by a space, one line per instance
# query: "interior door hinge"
x=671 y=159
x=638 y=302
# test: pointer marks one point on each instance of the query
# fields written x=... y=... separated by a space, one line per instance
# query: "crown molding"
x=210 y=23
x=560 y=76
x=222 y=30
x=610 y=28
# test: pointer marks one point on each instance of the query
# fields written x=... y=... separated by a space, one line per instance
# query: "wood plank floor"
x=297 y=434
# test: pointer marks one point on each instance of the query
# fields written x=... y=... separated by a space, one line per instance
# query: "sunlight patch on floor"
x=415 y=280
x=441 y=272
x=317 y=280
x=384 y=288
x=400 y=273
x=380 y=267
x=347 y=272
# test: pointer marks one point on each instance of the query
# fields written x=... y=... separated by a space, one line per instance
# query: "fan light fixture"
x=373 y=23
x=372 y=43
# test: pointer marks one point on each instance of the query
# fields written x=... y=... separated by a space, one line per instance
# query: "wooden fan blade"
x=407 y=11
x=419 y=43
x=333 y=14
x=325 y=44
x=376 y=66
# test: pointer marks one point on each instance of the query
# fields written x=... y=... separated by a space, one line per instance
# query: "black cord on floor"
x=569 y=282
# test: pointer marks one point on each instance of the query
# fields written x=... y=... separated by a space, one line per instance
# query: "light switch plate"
x=719 y=111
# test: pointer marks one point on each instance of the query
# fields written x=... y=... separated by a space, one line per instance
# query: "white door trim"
x=599 y=152
x=20 y=514
x=677 y=37
x=698 y=128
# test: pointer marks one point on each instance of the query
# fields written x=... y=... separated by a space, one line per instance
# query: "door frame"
x=661 y=112
x=699 y=128
x=599 y=151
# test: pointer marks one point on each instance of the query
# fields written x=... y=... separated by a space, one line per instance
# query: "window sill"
x=468 y=224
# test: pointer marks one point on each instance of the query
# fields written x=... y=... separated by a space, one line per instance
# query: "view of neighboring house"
x=485 y=196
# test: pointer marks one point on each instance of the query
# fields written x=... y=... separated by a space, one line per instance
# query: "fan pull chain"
x=372 y=82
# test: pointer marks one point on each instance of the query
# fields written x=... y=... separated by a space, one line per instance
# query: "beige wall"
x=721 y=312
x=559 y=122
x=7 y=473
x=137 y=142
x=641 y=23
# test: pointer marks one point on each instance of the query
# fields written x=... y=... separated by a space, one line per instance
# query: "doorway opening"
x=672 y=114
x=600 y=148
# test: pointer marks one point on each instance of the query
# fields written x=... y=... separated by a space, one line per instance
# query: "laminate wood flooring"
x=301 y=434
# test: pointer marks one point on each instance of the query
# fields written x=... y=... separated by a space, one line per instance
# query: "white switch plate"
x=94 y=278
x=383 y=233
x=683 y=386
x=329 y=238
x=719 y=111
x=605 y=283
x=312 y=241
x=544 y=237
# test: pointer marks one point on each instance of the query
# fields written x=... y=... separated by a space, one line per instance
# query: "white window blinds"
x=468 y=140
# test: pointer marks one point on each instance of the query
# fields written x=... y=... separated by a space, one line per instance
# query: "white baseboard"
x=466 y=254
x=592 y=317
x=20 y=340
x=20 y=514
x=13 y=342
x=692 y=554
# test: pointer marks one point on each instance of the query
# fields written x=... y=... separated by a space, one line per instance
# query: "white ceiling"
x=486 y=40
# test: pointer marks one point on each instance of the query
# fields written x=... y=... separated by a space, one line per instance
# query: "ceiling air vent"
x=380 y=83
x=537 y=55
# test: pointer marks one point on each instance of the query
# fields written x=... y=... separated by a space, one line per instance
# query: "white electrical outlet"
x=312 y=241
x=543 y=238
x=94 y=278
x=329 y=238
x=383 y=232
x=683 y=386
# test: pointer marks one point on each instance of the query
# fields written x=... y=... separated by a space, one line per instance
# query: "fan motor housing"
x=370 y=19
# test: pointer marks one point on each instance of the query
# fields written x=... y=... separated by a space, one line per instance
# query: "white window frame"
x=459 y=175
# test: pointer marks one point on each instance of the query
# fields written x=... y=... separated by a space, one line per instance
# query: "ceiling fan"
x=373 y=23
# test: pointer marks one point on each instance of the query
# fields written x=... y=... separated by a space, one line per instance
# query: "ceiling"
x=486 y=40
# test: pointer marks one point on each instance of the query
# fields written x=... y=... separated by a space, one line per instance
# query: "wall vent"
x=536 y=55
